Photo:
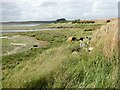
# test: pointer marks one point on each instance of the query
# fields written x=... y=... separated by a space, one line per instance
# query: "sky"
x=44 y=10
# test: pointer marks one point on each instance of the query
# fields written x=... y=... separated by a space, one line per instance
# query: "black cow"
x=81 y=39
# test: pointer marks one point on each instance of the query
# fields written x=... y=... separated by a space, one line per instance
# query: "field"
x=57 y=62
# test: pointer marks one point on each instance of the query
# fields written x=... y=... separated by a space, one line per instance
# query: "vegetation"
x=62 y=64
x=58 y=24
x=6 y=46
x=83 y=21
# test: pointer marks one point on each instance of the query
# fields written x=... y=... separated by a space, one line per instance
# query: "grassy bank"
x=59 y=67
x=61 y=64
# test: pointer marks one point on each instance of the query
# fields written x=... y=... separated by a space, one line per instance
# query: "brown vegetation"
x=106 y=38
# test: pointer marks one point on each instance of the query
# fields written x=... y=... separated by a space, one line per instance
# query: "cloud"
x=47 y=4
x=105 y=9
x=53 y=9
x=10 y=10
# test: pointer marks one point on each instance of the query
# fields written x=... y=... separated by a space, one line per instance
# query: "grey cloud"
x=10 y=11
x=56 y=9
x=47 y=4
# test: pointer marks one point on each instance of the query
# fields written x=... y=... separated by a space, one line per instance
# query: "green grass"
x=6 y=46
x=73 y=25
x=57 y=66
x=58 y=36
x=24 y=43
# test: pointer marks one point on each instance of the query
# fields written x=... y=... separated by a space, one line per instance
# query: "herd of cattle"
x=84 y=42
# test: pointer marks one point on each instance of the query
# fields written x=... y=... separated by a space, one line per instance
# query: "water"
x=20 y=25
x=15 y=31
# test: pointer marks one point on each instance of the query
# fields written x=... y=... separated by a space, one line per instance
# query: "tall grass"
x=59 y=67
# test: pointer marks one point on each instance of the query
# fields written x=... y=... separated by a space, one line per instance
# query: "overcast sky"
x=31 y=10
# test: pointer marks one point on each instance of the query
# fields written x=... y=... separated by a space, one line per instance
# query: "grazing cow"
x=107 y=21
x=71 y=39
x=81 y=39
x=35 y=45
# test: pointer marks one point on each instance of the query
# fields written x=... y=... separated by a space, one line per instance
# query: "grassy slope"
x=57 y=66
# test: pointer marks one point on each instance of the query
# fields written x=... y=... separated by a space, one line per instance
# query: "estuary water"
x=15 y=31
